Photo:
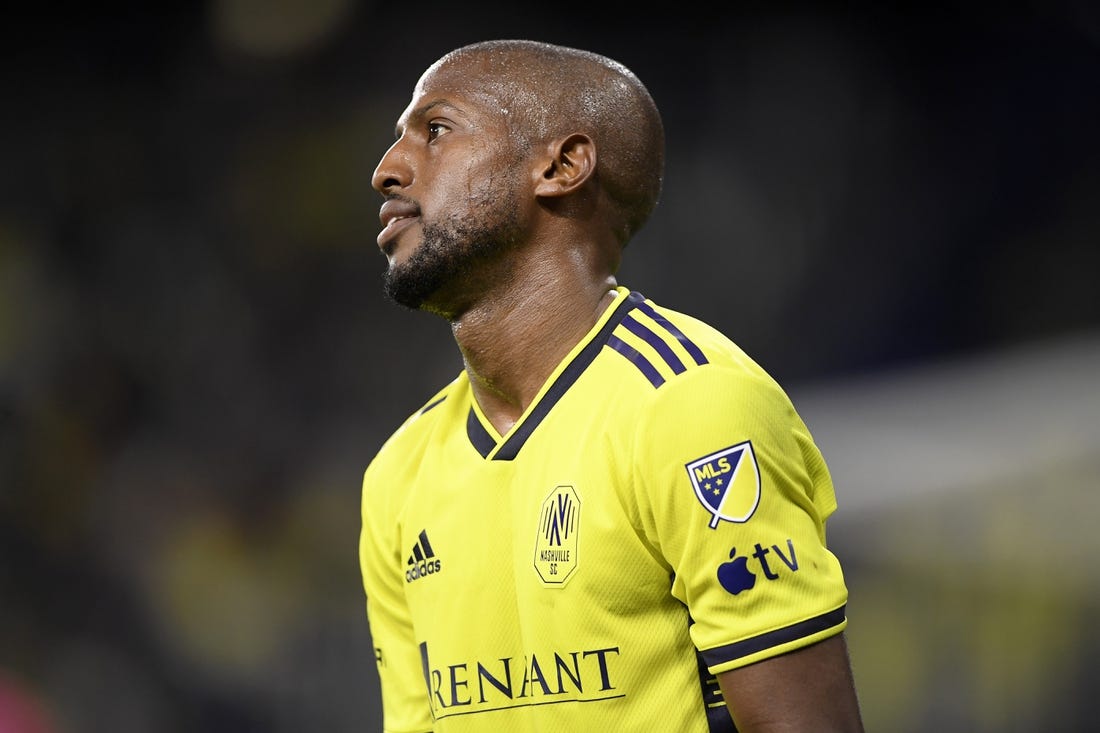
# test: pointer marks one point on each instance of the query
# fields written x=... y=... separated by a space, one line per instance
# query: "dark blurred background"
x=895 y=209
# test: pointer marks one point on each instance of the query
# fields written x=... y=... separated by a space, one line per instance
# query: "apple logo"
x=735 y=575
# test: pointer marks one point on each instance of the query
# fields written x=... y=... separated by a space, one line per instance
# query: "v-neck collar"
x=505 y=448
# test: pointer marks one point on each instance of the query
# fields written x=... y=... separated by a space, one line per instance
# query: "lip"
x=396 y=215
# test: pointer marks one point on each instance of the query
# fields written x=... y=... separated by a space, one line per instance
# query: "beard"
x=450 y=260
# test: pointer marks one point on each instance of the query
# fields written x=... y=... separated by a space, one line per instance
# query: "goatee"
x=448 y=256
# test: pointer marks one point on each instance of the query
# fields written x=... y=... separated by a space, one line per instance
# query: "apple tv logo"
x=735 y=575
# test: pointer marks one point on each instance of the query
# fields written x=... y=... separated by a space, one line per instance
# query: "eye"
x=436 y=129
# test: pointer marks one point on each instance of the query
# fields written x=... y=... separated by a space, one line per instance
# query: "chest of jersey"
x=552 y=528
x=549 y=536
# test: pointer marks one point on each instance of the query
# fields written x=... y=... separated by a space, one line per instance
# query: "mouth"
x=387 y=238
x=396 y=215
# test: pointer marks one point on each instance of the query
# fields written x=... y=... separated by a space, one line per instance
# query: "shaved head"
x=548 y=91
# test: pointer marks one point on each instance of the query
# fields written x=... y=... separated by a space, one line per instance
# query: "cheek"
x=477 y=189
x=476 y=180
x=453 y=185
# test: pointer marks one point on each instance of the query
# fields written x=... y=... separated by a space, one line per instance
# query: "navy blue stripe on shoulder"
x=794 y=632
x=658 y=344
x=689 y=345
x=431 y=405
x=634 y=357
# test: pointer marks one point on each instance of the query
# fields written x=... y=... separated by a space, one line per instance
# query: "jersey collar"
x=570 y=369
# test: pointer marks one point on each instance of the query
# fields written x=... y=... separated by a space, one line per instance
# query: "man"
x=612 y=519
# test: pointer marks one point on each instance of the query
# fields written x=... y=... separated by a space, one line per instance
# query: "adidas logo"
x=422 y=561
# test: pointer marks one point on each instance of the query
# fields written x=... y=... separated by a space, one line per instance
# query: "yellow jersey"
x=655 y=517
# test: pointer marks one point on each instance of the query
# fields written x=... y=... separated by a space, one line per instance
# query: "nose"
x=392 y=172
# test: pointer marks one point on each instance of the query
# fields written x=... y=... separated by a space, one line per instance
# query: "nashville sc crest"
x=557 y=536
x=727 y=483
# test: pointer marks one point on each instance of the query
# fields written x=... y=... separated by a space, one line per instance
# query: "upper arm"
x=810 y=689
x=766 y=596
x=734 y=497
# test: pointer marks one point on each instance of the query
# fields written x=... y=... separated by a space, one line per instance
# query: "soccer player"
x=612 y=519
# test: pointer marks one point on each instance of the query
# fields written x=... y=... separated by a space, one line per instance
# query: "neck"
x=512 y=339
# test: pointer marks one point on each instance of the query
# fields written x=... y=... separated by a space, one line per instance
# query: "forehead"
x=465 y=86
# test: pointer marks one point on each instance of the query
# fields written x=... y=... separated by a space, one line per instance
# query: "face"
x=452 y=190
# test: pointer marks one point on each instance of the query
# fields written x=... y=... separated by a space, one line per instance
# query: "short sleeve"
x=735 y=495
x=405 y=707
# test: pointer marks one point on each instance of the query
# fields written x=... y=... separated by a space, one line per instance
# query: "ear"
x=570 y=162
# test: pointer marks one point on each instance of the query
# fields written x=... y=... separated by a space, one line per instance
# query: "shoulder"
x=716 y=346
x=699 y=361
x=413 y=435
x=709 y=388
x=729 y=406
x=667 y=347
